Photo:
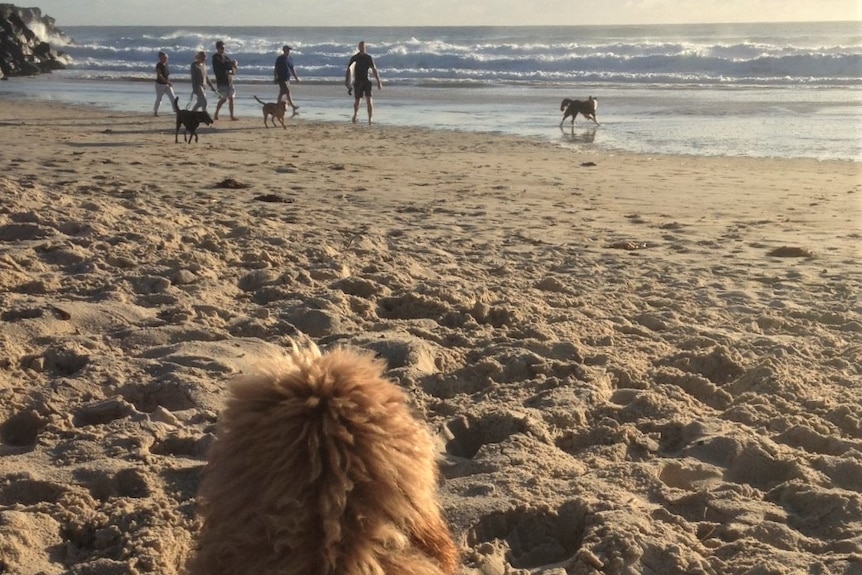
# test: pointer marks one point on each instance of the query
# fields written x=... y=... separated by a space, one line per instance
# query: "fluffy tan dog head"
x=319 y=468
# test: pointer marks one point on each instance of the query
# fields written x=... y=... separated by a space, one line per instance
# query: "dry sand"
x=692 y=406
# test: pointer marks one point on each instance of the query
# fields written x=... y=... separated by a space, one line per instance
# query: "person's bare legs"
x=220 y=103
x=355 y=108
x=230 y=107
x=370 y=109
x=289 y=100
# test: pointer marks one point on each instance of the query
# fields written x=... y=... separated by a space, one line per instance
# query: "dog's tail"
x=565 y=104
x=176 y=103
x=259 y=100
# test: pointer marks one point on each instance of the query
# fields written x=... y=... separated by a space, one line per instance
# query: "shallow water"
x=799 y=122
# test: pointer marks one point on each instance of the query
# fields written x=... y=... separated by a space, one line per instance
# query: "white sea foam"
x=707 y=90
x=776 y=54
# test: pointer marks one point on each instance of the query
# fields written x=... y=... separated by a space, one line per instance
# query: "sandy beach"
x=634 y=364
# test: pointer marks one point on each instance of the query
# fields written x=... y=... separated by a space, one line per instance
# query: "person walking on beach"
x=200 y=78
x=225 y=70
x=163 y=83
x=283 y=69
x=362 y=62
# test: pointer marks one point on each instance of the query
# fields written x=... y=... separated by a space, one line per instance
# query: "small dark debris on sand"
x=628 y=245
x=791 y=252
x=588 y=165
x=231 y=184
x=275 y=198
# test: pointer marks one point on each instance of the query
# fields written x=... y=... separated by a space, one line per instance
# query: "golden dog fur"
x=274 y=109
x=319 y=468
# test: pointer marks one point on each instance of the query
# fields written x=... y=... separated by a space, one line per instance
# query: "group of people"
x=224 y=68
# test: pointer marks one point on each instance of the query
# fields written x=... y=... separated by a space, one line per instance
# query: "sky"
x=437 y=12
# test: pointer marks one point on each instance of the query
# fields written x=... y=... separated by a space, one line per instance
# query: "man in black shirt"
x=224 y=69
x=361 y=62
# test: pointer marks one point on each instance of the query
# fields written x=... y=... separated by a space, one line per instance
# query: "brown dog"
x=319 y=468
x=274 y=109
x=574 y=107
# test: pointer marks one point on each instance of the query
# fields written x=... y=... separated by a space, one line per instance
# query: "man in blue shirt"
x=283 y=69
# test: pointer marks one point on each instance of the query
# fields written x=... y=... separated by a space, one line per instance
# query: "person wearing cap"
x=163 y=83
x=224 y=69
x=200 y=78
x=283 y=69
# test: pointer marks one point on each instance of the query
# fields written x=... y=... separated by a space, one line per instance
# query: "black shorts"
x=362 y=88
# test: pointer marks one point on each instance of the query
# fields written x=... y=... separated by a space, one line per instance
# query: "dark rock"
x=24 y=50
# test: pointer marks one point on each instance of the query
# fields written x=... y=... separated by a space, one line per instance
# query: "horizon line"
x=378 y=26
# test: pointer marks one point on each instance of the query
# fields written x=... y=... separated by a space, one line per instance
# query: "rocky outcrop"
x=24 y=47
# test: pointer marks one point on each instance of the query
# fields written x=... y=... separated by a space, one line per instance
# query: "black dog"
x=574 y=107
x=190 y=120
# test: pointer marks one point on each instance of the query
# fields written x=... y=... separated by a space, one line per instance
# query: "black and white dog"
x=574 y=107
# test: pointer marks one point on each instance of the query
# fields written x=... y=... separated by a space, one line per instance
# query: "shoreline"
x=634 y=119
x=251 y=120
x=630 y=361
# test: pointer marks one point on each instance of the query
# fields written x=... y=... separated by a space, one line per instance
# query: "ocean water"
x=764 y=90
